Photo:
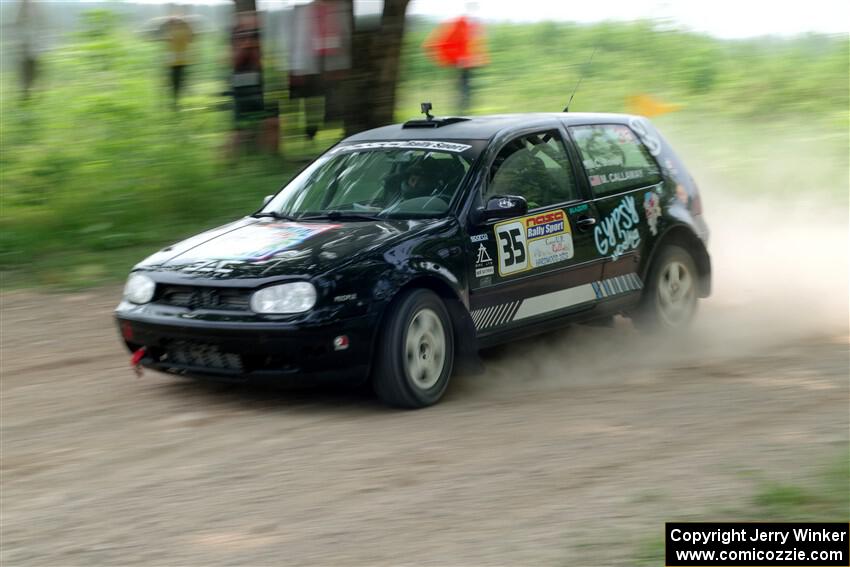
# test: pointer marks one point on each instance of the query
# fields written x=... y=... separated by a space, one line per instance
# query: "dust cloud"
x=780 y=277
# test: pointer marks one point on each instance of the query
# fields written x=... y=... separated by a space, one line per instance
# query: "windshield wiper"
x=342 y=215
x=273 y=215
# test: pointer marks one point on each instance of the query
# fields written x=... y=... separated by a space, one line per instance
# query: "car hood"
x=262 y=248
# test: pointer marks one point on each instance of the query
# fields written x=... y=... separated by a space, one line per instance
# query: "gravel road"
x=571 y=449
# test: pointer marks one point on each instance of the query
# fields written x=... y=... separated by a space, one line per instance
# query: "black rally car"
x=403 y=247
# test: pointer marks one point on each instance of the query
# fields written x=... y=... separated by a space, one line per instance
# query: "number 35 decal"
x=536 y=241
x=512 y=248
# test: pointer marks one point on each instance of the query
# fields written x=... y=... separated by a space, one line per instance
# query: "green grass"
x=96 y=171
x=95 y=178
x=826 y=498
x=534 y=67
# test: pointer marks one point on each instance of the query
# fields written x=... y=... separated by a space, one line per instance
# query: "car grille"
x=199 y=355
x=193 y=297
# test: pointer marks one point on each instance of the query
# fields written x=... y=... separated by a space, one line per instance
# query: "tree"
x=371 y=86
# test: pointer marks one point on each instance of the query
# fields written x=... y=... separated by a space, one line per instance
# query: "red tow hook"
x=136 y=361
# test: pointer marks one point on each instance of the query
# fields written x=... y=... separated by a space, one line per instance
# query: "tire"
x=669 y=301
x=415 y=351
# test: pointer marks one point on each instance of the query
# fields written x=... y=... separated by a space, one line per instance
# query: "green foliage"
x=99 y=24
x=96 y=169
x=98 y=161
x=99 y=41
x=827 y=500
x=534 y=67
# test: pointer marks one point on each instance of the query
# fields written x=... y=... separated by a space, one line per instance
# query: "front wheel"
x=415 y=354
x=670 y=297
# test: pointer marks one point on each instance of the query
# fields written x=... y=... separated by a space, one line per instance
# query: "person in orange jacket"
x=459 y=43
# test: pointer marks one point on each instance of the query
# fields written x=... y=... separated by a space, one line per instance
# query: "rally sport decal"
x=533 y=241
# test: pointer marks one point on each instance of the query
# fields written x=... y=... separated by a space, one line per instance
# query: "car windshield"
x=377 y=180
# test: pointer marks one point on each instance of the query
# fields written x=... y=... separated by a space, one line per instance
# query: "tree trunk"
x=246 y=5
x=371 y=86
x=375 y=53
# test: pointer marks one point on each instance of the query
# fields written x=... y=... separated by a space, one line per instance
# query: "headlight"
x=294 y=297
x=139 y=288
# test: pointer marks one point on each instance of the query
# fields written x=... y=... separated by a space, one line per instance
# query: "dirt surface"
x=570 y=449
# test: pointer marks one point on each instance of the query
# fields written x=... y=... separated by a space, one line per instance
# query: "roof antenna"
x=589 y=61
x=425 y=108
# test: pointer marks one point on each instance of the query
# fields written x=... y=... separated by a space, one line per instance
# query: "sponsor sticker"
x=483 y=262
x=551 y=250
x=533 y=242
x=652 y=208
x=479 y=237
x=404 y=145
x=618 y=232
x=616 y=177
x=259 y=242
x=646 y=135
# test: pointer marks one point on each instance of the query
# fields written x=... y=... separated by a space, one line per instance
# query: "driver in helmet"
x=409 y=183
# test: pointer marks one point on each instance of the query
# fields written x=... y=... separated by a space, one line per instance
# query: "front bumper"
x=251 y=351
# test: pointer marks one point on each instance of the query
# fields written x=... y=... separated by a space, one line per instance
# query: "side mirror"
x=504 y=207
x=266 y=199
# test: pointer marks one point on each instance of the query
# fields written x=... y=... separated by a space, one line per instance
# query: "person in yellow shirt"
x=177 y=34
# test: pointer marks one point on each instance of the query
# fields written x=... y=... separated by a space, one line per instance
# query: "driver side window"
x=534 y=166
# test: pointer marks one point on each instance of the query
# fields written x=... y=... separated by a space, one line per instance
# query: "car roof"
x=483 y=127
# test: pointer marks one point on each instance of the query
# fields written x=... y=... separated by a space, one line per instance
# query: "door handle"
x=586 y=222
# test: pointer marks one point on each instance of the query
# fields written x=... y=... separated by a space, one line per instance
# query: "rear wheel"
x=415 y=354
x=670 y=297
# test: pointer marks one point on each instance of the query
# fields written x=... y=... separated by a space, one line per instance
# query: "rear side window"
x=614 y=158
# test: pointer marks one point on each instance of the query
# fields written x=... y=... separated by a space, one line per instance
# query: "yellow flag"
x=649 y=106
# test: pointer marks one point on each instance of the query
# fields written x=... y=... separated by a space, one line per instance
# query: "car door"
x=540 y=265
x=626 y=183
